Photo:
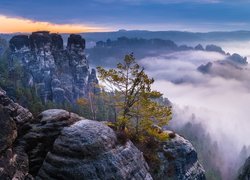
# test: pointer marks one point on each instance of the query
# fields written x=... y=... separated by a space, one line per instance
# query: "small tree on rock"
x=138 y=110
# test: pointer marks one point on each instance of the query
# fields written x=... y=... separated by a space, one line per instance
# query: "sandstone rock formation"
x=39 y=140
x=58 y=74
x=214 y=48
x=89 y=150
x=61 y=145
x=205 y=68
x=13 y=110
x=13 y=159
x=199 y=47
x=178 y=160
x=236 y=58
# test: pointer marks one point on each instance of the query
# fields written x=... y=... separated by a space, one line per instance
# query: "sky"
x=112 y=15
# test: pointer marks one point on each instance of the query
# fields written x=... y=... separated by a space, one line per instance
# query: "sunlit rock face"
x=59 y=74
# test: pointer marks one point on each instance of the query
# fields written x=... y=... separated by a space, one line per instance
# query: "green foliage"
x=141 y=112
x=135 y=102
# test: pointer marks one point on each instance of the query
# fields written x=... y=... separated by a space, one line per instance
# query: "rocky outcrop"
x=61 y=145
x=214 y=48
x=58 y=74
x=93 y=82
x=13 y=159
x=199 y=47
x=16 y=112
x=238 y=59
x=42 y=133
x=205 y=68
x=178 y=160
x=89 y=150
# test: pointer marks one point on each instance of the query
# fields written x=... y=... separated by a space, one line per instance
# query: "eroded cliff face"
x=61 y=145
x=13 y=159
x=178 y=160
x=99 y=155
x=59 y=74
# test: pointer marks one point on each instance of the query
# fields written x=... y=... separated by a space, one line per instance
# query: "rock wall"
x=89 y=150
x=45 y=129
x=178 y=160
x=13 y=159
x=59 y=74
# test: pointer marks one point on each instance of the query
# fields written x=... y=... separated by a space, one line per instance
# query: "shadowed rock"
x=56 y=42
x=39 y=40
x=214 y=48
x=75 y=41
x=205 y=68
x=42 y=134
x=19 y=114
x=44 y=59
x=13 y=159
x=236 y=58
x=178 y=160
x=199 y=47
x=19 y=42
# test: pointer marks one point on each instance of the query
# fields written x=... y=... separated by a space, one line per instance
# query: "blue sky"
x=190 y=15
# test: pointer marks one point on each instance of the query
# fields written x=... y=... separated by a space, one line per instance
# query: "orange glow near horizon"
x=15 y=25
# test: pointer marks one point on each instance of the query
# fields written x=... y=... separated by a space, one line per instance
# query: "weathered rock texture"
x=58 y=74
x=13 y=159
x=61 y=145
x=19 y=114
x=43 y=132
x=178 y=160
x=89 y=150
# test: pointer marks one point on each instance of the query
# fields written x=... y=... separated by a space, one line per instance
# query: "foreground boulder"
x=178 y=160
x=43 y=132
x=90 y=150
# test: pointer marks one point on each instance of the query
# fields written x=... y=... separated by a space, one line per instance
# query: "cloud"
x=138 y=2
x=14 y=24
x=194 y=15
x=220 y=103
x=180 y=66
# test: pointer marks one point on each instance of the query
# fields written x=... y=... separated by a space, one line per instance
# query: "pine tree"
x=137 y=106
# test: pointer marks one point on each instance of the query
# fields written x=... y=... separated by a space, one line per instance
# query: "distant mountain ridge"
x=107 y=53
x=177 y=36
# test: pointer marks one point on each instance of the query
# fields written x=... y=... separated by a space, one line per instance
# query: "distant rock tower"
x=59 y=74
